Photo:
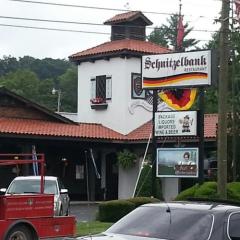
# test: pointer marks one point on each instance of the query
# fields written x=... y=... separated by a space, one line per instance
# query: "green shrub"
x=112 y=211
x=209 y=190
x=206 y=190
x=189 y=192
x=137 y=201
x=233 y=191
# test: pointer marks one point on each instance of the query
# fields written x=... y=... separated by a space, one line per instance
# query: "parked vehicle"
x=31 y=216
x=176 y=221
x=52 y=185
x=210 y=168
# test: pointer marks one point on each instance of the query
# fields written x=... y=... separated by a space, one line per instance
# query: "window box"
x=99 y=106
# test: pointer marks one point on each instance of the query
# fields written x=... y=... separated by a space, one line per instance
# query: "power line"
x=52 y=29
x=87 y=23
x=66 y=30
x=99 y=8
x=52 y=21
x=89 y=7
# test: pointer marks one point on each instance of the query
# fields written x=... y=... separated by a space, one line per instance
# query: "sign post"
x=154 y=144
x=172 y=71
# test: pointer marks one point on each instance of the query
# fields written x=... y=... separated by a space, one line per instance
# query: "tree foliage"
x=166 y=34
x=34 y=79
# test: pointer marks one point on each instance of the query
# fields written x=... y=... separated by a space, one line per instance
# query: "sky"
x=42 y=43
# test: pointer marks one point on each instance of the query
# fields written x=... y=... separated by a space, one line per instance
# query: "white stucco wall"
x=117 y=116
x=71 y=116
x=127 y=181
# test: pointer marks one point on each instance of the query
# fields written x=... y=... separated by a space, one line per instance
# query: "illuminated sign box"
x=185 y=69
x=181 y=123
x=177 y=162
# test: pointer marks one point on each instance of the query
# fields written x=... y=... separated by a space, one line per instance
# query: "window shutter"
x=93 y=88
x=108 y=87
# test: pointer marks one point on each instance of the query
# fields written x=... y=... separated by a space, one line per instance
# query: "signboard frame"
x=176 y=123
x=177 y=70
x=172 y=163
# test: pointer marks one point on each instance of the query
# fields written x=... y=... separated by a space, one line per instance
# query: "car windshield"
x=165 y=223
x=32 y=186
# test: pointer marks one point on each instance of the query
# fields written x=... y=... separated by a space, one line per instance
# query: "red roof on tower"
x=120 y=46
x=128 y=16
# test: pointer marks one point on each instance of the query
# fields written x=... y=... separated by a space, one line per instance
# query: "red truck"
x=31 y=216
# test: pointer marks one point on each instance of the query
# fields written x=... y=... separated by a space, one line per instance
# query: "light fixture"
x=58 y=91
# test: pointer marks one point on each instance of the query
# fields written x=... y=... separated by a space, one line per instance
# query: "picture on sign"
x=177 y=162
x=176 y=70
x=181 y=123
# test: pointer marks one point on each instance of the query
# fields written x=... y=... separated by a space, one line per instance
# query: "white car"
x=52 y=185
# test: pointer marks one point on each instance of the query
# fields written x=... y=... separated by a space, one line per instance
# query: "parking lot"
x=84 y=211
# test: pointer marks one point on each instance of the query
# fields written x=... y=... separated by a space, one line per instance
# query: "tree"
x=166 y=34
x=46 y=98
x=68 y=85
x=8 y=64
x=22 y=82
x=159 y=36
x=34 y=79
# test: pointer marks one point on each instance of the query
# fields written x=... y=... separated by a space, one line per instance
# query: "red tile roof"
x=210 y=125
x=143 y=132
x=118 y=46
x=128 y=16
x=45 y=128
x=87 y=130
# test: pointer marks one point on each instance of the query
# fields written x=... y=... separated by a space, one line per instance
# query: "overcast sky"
x=19 y=41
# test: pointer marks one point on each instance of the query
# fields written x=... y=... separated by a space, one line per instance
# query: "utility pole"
x=154 y=143
x=234 y=128
x=222 y=100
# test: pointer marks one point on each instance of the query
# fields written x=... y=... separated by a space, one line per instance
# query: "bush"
x=206 y=190
x=137 y=201
x=209 y=190
x=112 y=211
x=190 y=192
x=233 y=191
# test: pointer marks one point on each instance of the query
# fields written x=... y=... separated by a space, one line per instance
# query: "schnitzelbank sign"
x=183 y=69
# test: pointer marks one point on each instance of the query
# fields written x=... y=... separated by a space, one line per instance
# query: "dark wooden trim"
x=107 y=58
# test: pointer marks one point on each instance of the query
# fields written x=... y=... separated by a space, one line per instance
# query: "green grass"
x=86 y=228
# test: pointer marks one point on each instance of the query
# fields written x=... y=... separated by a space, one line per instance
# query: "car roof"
x=35 y=178
x=198 y=206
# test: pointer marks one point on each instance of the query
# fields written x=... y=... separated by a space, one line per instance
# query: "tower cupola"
x=129 y=25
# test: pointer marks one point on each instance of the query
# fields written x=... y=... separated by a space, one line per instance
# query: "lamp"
x=58 y=91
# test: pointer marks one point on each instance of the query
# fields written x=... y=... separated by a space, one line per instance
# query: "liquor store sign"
x=183 y=123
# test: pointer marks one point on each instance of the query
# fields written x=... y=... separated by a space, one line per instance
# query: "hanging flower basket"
x=126 y=159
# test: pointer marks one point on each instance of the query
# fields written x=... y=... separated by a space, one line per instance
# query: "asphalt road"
x=84 y=211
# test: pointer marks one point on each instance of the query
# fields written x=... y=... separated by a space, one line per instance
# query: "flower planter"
x=99 y=106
